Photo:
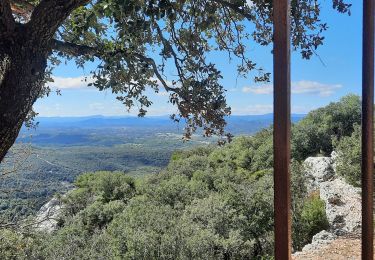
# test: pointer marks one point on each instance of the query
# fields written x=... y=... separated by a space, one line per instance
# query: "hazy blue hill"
x=101 y=121
x=234 y=121
x=250 y=124
x=107 y=131
x=98 y=120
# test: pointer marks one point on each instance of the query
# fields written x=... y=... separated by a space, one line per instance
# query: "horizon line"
x=147 y=116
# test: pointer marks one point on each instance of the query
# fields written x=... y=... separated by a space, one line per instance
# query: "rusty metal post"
x=367 y=129
x=281 y=134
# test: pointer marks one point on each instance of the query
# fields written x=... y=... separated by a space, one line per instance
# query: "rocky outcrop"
x=47 y=217
x=343 y=206
x=318 y=170
x=343 y=201
x=319 y=240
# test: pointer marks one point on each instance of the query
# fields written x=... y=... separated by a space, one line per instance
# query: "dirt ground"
x=348 y=247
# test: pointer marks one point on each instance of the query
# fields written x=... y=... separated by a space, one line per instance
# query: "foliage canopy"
x=141 y=44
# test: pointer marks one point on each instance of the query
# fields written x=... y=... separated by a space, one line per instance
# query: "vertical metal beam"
x=367 y=129
x=281 y=134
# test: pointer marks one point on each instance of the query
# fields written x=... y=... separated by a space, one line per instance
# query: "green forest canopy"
x=209 y=203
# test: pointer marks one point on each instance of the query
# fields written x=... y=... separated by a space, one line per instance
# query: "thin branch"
x=168 y=46
x=156 y=71
x=235 y=8
x=82 y=50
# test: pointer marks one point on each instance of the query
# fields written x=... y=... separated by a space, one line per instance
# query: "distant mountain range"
x=98 y=121
x=101 y=121
x=251 y=124
x=112 y=130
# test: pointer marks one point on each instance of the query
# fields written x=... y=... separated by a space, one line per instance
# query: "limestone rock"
x=342 y=200
x=343 y=205
x=322 y=238
x=318 y=170
x=47 y=216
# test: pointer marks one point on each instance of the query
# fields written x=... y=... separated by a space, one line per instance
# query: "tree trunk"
x=22 y=67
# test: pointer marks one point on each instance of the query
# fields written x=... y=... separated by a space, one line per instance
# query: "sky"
x=315 y=82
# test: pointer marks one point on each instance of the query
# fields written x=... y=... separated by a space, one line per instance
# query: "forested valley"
x=46 y=160
x=209 y=202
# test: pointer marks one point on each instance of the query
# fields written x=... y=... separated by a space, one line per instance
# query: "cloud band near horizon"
x=297 y=87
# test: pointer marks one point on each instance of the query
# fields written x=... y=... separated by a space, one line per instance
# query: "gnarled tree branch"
x=48 y=16
x=73 y=49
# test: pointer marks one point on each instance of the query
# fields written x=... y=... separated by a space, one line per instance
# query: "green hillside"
x=208 y=203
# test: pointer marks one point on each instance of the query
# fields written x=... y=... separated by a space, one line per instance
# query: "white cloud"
x=70 y=82
x=264 y=89
x=298 y=87
x=313 y=87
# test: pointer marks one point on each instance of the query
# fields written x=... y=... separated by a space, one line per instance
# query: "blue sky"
x=314 y=84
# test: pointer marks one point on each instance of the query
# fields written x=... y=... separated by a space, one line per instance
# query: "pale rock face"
x=342 y=200
x=334 y=156
x=48 y=214
x=321 y=239
x=343 y=206
x=318 y=170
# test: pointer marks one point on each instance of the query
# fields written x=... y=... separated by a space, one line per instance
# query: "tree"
x=349 y=155
x=316 y=132
x=120 y=35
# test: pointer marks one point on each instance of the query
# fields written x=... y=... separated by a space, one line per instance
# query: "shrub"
x=348 y=162
x=312 y=220
x=17 y=245
x=315 y=133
